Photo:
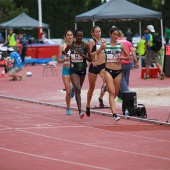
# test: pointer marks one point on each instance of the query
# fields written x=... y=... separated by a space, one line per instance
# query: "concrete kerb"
x=92 y=111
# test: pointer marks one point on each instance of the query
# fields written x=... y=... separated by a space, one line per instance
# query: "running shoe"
x=88 y=111
x=68 y=112
x=116 y=118
x=71 y=92
x=13 y=79
x=119 y=100
x=162 y=76
x=146 y=78
x=101 y=103
x=81 y=114
x=104 y=88
x=22 y=77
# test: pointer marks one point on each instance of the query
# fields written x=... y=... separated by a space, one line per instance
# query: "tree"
x=9 y=10
x=60 y=14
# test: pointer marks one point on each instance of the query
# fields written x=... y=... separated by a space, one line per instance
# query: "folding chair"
x=50 y=65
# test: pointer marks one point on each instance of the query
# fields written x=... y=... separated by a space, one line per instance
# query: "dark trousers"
x=23 y=53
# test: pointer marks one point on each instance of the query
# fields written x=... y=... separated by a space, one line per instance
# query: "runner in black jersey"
x=80 y=53
x=113 y=66
x=96 y=67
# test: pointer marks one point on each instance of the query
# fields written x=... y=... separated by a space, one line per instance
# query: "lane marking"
x=100 y=147
x=54 y=159
x=87 y=126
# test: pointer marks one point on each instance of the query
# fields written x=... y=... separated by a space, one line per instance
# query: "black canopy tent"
x=23 y=21
x=119 y=10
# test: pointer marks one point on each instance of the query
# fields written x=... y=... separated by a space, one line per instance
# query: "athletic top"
x=17 y=59
x=111 y=51
x=12 y=40
x=97 y=45
x=77 y=62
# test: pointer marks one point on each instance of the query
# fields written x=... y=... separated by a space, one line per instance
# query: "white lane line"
x=100 y=147
x=54 y=159
x=161 y=140
x=127 y=134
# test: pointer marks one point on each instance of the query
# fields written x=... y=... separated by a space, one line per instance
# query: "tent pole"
x=140 y=32
x=49 y=36
x=6 y=32
x=162 y=35
x=40 y=20
x=75 y=25
x=93 y=23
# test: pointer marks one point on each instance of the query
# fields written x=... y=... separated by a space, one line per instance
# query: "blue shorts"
x=65 y=71
x=80 y=73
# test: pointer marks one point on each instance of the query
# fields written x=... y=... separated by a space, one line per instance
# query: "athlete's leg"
x=66 y=81
x=92 y=80
x=75 y=79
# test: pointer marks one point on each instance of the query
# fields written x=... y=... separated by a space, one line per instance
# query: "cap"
x=10 y=29
x=10 y=49
x=151 y=28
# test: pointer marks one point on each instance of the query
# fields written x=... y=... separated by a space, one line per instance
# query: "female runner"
x=68 y=36
x=113 y=66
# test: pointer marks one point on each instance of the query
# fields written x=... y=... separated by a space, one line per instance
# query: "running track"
x=36 y=136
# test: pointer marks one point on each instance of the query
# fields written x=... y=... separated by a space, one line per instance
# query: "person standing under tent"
x=23 y=41
x=78 y=57
x=12 y=39
x=68 y=36
x=129 y=34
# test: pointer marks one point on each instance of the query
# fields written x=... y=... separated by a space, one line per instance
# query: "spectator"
x=142 y=49
x=136 y=35
x=151 y=56
x=12 y=39
x=129 y=35
x=44 y=35
x=126 y=65
x=1 y=38
x=16 y=61
x=23 y=41
x=167 y=35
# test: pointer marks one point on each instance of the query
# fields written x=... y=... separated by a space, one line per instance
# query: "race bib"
x=111 y=57
x=75 y=57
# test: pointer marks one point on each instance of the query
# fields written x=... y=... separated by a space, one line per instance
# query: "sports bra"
x=97 y=45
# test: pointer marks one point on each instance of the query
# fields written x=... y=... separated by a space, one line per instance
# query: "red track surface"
x=34 y=136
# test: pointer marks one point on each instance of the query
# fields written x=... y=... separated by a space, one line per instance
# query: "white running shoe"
x=116 y=118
